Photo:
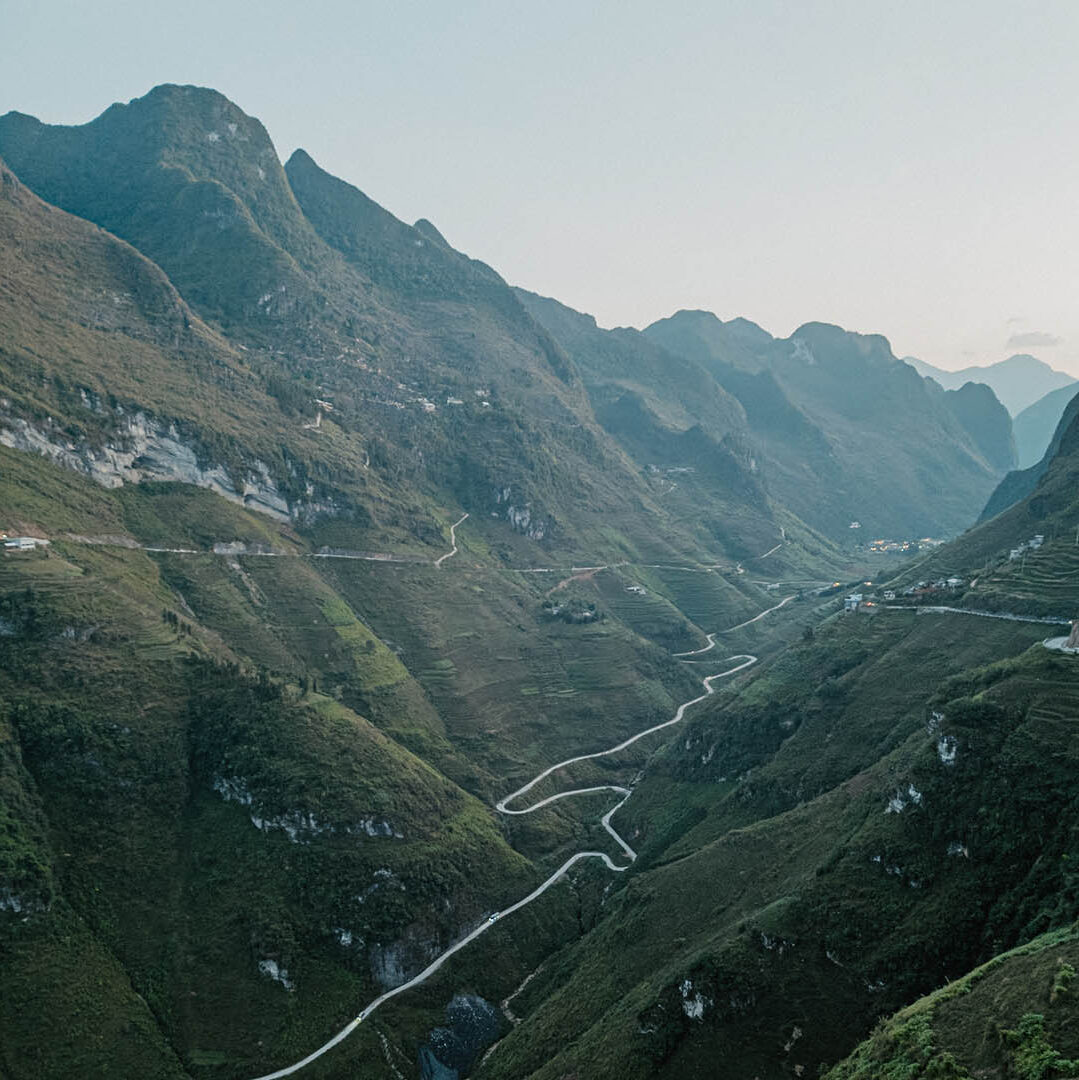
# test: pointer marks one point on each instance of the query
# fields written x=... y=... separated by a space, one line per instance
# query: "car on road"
x=491 y=918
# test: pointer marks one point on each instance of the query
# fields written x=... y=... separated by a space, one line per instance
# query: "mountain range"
x=322 y=539
x=1018 y=382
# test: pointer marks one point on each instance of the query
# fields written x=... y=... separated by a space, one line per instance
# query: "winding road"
x=711 y=638
x=453 y=540
x=503 y=808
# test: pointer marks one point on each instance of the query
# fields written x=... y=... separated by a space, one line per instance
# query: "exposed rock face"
x=145 y=449
x=520 y=514
x=394 y=964
x=450 y=1052
x=301 y=826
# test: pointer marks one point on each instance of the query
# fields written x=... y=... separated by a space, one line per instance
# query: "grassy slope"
x=822 y=916
x=123 y=721
x=1042 y=583
x=407 y=646
x=1014 y=1016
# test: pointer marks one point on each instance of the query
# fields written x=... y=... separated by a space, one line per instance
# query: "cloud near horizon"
x=1035 y=339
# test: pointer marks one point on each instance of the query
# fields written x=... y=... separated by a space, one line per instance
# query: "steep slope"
x=404 y=376
x=253 y=724
x=678 y=390
x=196 y=829
x=848 y=830
x=195 y=184
x=108 y=371
x=987 y=423
x=825 y=846
x=1035 y=425
x=853 y=433
x=1005 y=568
x=1016 y=486
x=686 y=432
x=1017 y=382
x=1026 y=996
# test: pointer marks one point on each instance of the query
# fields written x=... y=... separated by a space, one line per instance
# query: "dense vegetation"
x=254 y=716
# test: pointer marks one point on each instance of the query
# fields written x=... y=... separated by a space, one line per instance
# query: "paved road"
x=453 y=540
x=1059 y=644
x=503 y=808
x=941 y=609
x=431 y=968
x=711 y=638
x=770 y=551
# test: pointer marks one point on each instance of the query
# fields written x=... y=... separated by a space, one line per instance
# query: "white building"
x=851 y=602
x=24 y=543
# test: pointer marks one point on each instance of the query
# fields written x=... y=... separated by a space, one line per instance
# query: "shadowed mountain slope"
x=853 y=434
x=1035 y=425
x=1017 y=485
x=348 y=539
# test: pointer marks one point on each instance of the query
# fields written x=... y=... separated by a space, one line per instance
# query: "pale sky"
x=908 y=169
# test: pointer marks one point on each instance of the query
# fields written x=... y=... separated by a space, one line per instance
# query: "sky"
x=907 y=169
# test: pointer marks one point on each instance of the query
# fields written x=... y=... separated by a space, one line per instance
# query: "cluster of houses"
x=1032 y=544
x=921 y=587
x=858 y=602
x=426 y=404
x=883 y=546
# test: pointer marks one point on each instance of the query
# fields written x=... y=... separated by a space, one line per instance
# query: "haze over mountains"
x=330 y=539
x=1035 y=425
x=1018 y=382
x=296 y=258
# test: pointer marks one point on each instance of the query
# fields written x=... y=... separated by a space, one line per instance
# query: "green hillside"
x=329 y=540
x=1022 y=999
x=779 y=908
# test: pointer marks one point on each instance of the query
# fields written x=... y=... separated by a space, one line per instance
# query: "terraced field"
x=1046 y=582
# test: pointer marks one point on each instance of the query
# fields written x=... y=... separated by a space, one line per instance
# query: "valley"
x=380 y=641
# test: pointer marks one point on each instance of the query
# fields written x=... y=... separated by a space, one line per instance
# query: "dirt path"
x=453 y=540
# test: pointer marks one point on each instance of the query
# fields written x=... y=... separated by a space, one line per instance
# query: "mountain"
x=849 y=433
x=1035 y=425
x=844 y=832
x=986 y=421
x=1018 y=381
x=1019 y=484
x=251 y=730
x=389 y=329
x=324 y=540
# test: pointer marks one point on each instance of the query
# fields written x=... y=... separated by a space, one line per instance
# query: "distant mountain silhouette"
x=1035 y=425
x=1018 y=381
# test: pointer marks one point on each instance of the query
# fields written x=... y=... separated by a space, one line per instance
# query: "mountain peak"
x=426 y=229
x=1018 y=381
